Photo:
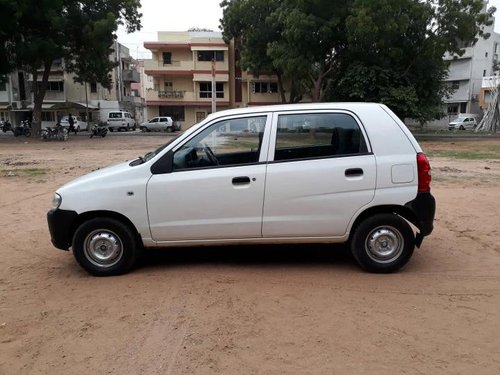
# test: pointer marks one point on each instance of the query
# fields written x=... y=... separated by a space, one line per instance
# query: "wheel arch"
x=89 y=215
x=404 y=212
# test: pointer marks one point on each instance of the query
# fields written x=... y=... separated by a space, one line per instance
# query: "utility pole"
x=214 y=107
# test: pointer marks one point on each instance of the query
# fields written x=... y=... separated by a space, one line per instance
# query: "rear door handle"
x=241 y=180
x=353 y=172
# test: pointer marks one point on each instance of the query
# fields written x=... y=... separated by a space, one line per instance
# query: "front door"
x=216 y=188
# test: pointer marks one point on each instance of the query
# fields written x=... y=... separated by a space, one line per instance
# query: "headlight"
x=56 y=201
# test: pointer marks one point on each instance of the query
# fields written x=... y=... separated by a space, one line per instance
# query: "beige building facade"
x=182 y=69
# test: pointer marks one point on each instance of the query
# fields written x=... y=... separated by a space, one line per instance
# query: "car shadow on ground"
x=246 y=255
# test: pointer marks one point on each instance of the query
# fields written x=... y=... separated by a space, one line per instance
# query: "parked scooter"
x=7 y=126
x=58 y=132
x=99 y=130
x=23 y=129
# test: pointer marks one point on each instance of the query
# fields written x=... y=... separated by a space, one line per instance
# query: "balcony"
x=137 y=100
x=468 y=53
x=490 y=82
x=174 y=66
x=131 y=76
x=174 y=96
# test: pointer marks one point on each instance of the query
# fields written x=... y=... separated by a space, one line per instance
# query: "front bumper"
x=60 y=227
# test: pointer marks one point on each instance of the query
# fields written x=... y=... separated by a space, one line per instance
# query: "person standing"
x=71 y=123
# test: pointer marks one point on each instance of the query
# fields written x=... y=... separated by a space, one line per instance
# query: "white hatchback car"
x=258 y=175
x=162 y=123
x=77 y=123
x=463 y=122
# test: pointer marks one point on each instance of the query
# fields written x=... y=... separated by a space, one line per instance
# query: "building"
x=466 y=73
x=182 y=67
x=64 y=96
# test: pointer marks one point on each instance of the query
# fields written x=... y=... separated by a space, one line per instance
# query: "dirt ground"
x=246 y=310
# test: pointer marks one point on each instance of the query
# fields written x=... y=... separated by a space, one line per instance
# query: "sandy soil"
x=245 y=310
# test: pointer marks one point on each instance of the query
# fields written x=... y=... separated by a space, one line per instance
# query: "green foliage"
x=388 y=51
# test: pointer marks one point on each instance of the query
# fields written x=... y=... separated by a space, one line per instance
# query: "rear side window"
x=115 y=115
x=313 y=135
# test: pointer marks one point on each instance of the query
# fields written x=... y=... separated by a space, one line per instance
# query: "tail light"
x=424 y=173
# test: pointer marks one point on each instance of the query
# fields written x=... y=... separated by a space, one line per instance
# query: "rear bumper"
x=424 y=208
x=60 y=227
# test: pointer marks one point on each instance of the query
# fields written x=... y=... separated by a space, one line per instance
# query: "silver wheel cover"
x=384 y=244
x=103 y=248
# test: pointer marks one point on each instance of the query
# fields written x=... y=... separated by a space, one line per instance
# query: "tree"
x=250 y=25
x=81 y=32
x=388 y=51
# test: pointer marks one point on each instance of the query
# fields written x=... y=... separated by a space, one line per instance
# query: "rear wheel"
x=105 y=247
x=383 y=243
x=169 y=129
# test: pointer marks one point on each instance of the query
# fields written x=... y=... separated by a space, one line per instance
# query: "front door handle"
x=353 y=172
x=244 y=180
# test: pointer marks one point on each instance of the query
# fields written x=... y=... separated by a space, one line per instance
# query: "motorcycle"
x=58 y=132
x=23 y=129
x=99 y=130
x=6 y=126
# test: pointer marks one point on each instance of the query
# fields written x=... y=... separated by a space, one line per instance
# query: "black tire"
x=461 y=127
x=169 y=129
x=111 y=130
x=105 y=247
x=383 y=243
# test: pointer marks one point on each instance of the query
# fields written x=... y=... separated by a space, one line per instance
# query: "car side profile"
x=302 y=173
x=463 y=122
x=162 y=123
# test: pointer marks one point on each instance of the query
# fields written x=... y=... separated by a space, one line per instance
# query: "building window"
x=167 y=58
x=463 y=107
x=3 y=83
x=210 y=55
x=455 y=85
x=48 y=116
x=452 y=109
x=169 y=86
x=176 y=112
x=206 y=89
x=486 y=54
x=53 y=86
x=265 y=87
x=484 y=73
x=93 y=87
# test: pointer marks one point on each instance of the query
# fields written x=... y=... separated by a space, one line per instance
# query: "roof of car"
x=294 y=107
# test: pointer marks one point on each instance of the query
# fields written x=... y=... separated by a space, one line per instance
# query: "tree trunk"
x=39 y=91
x=281 y=88
x=316 y=91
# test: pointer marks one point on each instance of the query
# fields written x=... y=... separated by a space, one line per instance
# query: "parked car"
x=77 y=123
x=118 y=120
x=163 y=123
x=463 y=122
x=356 y=176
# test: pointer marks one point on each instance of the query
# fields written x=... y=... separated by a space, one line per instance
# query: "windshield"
x=150 y=155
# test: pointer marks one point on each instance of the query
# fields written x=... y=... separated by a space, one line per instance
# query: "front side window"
x=302 y=136
x=229 y=142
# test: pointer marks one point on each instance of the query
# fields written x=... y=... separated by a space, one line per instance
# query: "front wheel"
x=105 y=247
x=383 y=243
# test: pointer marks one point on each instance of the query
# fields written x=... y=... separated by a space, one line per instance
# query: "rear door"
x=321 y=172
